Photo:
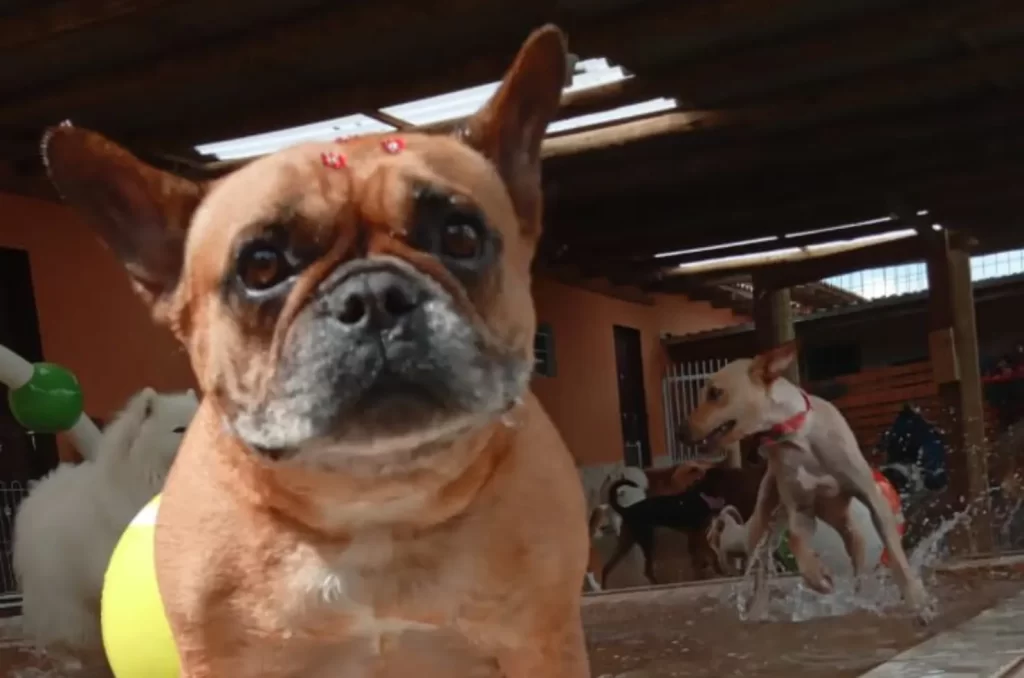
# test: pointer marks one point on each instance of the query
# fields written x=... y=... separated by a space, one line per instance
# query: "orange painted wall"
x=582 y=398
x=92 y=323
x=90 y=320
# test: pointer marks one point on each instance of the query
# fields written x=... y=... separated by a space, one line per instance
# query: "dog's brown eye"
x=262 y=266
x=714 y=393
x=460 y=240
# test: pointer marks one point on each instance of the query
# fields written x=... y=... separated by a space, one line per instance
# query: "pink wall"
x=90 y=320
x=583 y=397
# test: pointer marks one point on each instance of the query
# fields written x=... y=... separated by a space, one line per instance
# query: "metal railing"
x=681 y=387
x=11 y=495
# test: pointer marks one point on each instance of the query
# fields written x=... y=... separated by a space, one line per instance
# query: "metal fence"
x=681 y=388
x=11 y=494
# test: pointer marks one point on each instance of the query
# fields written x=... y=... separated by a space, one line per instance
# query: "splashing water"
x=874 y=591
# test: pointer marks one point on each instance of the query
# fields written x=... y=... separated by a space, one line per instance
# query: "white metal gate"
x=11 y=494
x=681 y=387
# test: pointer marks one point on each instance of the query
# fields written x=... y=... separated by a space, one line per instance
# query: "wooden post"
x=773 y=321
x=953 y=347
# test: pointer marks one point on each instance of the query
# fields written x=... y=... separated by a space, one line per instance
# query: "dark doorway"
x=629 y=366
x=23 y=456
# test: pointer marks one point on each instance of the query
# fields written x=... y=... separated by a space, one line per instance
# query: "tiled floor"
x=991 y=645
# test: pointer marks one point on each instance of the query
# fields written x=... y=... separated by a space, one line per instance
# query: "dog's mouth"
x=719 y=432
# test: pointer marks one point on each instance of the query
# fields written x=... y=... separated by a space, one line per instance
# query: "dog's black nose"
x=377 y=299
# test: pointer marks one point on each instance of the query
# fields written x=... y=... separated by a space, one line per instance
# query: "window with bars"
x=544 y=351
x=876 y=283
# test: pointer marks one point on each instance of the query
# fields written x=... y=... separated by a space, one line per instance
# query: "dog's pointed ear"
x=769 y=366
x=139 y=211
x=146 y=399
x=510 y=129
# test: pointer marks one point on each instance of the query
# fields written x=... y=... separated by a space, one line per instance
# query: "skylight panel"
x=268 y=142
x=613 y=115
x=589 y=74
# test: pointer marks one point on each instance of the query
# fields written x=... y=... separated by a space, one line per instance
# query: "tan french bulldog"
x=369 y=488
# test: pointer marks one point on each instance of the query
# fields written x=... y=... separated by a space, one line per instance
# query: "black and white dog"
x=689 y=512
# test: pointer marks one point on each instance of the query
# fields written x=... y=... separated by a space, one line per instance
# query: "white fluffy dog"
x=66 y=529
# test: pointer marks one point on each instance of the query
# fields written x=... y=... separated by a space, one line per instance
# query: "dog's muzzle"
x=687 y=437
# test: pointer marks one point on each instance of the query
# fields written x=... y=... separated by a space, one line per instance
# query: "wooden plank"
x=897 y=395
x=886 y=384
x=867 y=379
x=923 y=368
x=899 y=35
x=929 y=408
x=304 y=55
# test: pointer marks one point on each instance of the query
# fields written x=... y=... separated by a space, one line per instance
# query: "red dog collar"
x=786 y=428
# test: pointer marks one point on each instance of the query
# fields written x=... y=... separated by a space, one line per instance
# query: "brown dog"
x=369 y=488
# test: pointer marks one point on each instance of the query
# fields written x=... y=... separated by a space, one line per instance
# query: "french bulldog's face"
x=366 y=297
x=380 y=304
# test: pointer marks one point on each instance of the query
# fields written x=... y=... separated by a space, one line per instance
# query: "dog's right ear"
x=140 y=212
x=769 y=366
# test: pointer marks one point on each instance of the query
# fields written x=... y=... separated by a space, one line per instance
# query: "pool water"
x=696 y=631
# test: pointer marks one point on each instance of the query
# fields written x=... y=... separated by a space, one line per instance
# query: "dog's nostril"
x=353 y=310
x=397 y=302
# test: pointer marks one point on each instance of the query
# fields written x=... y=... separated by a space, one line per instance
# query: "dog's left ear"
x=510 y=129
x=769 y=366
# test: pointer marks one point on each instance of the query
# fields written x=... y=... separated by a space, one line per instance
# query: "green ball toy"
x=50 y=402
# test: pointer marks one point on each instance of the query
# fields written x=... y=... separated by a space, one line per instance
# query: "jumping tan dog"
x=815 y=468
x=369 y=488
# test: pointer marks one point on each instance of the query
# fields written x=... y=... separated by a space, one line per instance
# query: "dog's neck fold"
x=339 y=502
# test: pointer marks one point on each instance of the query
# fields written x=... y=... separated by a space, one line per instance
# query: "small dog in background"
x=815 y=468
x=66 y=529
x=604 y=523
x=727 y=537
x=688 y=512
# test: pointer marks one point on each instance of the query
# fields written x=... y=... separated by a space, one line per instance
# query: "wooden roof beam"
x=674 y=222
x=284 y=52
x=838 y=50
x=713 y=151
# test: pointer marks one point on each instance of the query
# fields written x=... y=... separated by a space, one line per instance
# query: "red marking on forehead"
x=333 y=160
x=393 y=145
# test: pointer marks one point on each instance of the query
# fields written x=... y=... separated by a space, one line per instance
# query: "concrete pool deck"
x=991 y=645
